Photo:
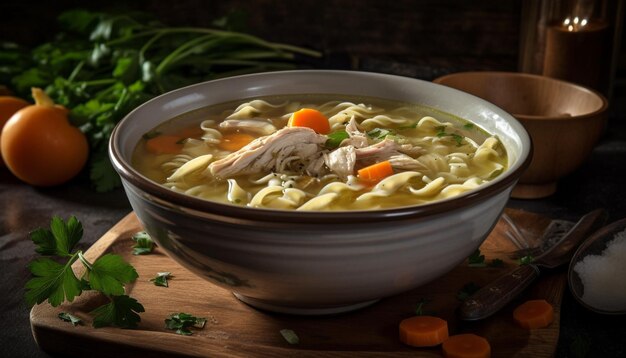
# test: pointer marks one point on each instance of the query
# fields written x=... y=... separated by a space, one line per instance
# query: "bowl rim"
x=527 y=117
x=177 y=200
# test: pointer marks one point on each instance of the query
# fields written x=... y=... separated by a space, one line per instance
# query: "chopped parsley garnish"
x=467 y=290
x=496 y=263
x=290 y=336
x=55 y=281
x=419 y=308
x=441 y=132
x=151 y=134
x=143 y=243
x=525 y=260
x=70 y=318
x=476 y=259
x=181 y=322
x=468 y=125
x=161 y=279
x=335 y=138
x=379 y=133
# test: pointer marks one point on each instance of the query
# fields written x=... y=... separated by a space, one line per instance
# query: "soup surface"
x=314 y=152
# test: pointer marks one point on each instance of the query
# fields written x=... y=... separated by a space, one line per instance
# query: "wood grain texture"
x=237 y=330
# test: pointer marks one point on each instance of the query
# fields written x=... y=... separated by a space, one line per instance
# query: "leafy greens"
x=101 y=66
x=56 y=282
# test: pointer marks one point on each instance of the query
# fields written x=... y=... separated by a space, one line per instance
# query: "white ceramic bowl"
x=318 y=262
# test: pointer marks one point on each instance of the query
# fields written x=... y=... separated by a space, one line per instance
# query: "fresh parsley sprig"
x=55 y=281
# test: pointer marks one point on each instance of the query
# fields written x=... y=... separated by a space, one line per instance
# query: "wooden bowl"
x=563 y=119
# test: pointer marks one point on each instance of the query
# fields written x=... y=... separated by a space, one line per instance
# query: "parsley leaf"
x=476 y=259
x=290 y=336
x=161 y=279
x=419 y=308
x=56 y=282
x=120 y=312
x=525 y=260
x=151 y=134
x=181 y=322
x=467 y=290
x=496 y=263
x=379 y=133
x=60 y=240
x=103 y=175
x=53 y=281
x=70 y=318
x=109 y=273
x=66 y=234
x=441 y=132
x=335 y=139
x=144 y=244
x=468 y=125
x=46 y=244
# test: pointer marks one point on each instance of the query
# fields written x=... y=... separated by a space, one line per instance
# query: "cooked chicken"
x=297 y=145
x=357 y=139
x=377 y=152
x=341 y=161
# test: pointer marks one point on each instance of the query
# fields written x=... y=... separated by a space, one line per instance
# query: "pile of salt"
x=604 y=276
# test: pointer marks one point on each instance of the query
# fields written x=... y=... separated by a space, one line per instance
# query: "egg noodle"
x=432 y=159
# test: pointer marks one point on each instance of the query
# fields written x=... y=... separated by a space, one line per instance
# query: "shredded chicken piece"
x=378 y=152
x=357 y=138
x=341 y=161
x=268 y=153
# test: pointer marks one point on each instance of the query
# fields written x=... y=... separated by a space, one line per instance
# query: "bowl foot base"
x=307 y=311
x=533 y=191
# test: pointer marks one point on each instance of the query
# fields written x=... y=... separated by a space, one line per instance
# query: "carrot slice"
x=164 y=144
x=235 y=141
x=311 y=118
x=466 y=346
x=376 y=172
x=423 y=331
x=534 y=314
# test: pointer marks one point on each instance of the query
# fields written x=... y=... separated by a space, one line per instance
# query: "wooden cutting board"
x=237 y=330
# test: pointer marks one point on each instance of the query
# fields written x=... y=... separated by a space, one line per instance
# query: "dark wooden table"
x=600 y=182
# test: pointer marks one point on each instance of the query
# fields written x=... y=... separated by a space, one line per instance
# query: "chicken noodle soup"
x=316 y=153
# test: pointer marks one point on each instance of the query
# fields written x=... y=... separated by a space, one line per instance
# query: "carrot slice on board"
x=235 y=141
x=534 y=314
x=423 y=331
x=164 y=144
x=311 y=118
x=466 y=346
x=376 y=172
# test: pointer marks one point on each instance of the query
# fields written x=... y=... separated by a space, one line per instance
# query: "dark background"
x=422 y=39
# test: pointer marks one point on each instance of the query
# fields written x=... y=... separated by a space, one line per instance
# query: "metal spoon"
x=492 y=297
x=594 y=245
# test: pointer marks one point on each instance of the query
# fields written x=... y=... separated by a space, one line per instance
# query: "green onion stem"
x=196 y=30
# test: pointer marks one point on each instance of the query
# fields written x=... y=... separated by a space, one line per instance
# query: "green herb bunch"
x=101 y=66
x=55 y=281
